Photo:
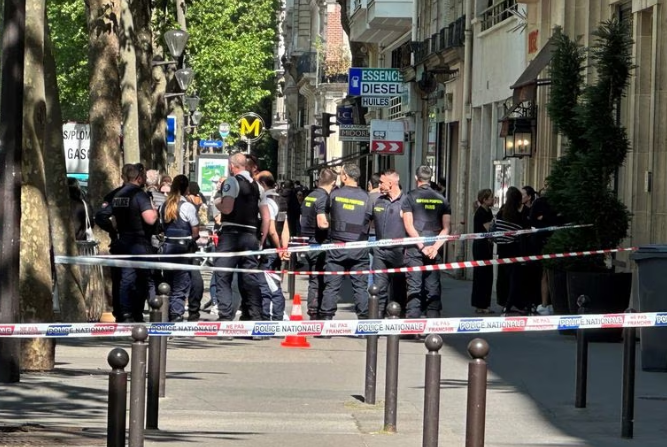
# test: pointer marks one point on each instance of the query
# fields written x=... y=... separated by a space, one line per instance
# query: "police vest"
x=428 y=208
x=309 y=216
x=177 y=227
x=127 y=213
x=246 y=204
x=387 y=218
x=349 y=221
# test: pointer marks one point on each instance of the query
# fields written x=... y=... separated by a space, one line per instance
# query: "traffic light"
x=315 y=133
x=327 y=123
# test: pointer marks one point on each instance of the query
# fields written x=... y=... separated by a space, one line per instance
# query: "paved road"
x=256 y=393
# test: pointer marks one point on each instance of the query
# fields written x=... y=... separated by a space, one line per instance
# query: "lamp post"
x=193 y=116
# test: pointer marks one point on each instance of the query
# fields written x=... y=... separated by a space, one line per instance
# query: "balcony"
x=500 y=11
x=449 y=37
x=380 y=20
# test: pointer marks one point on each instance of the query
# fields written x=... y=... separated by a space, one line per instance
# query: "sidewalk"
x=256 y=393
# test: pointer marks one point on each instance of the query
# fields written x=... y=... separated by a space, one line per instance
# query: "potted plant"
x=579 y=185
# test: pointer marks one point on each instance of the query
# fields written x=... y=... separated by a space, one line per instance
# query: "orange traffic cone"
x=296 y=341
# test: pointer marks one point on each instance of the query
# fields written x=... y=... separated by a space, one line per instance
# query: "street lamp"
x=176 y=39
x=192 y=102
x=518 y=135
x=184 y=77
x=196 y=118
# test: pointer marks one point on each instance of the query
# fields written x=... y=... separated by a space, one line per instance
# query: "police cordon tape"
x=418 y=326
x=91 y=260
x=355 y=245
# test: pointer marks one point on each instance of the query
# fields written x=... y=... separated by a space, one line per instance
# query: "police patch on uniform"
x=227 y=187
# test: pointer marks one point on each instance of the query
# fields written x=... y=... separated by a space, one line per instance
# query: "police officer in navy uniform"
x=315 y=226
x=388 y=222
x=238 y=201
x=425 y=213
x=181 y=229
x=350 y=213
x=134 y=218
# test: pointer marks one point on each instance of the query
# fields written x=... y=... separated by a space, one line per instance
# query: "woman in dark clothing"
x=482 y=249
x=510 y=218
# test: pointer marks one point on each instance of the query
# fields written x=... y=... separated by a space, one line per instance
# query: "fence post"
x=372 y=346
x=138 y=386
x=164 y=290
x=433 y=343
x=477 y=376
x=391 y=381
x=291 y=279
x=153 y=386
x=118 y=360
x=581 y=382
x=629 y=360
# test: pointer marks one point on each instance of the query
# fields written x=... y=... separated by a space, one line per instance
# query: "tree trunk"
x=69 y=279
x=141 y=10
x=128 y=69
x=158 y=111
x=105 y=110
x=35 y=279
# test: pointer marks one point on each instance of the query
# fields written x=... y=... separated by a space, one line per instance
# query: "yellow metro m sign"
x=251 y=126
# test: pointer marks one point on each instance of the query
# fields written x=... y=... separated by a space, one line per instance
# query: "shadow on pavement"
x=541 y=365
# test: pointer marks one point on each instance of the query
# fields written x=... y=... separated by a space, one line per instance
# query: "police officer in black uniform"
x=425 y=213
x=315 y=226
x=181 y=229
x=388 y=222
x=133 y=222
x=350 y=212
x=238 y=201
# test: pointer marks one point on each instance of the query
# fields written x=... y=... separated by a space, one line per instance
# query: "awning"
x=525 y=87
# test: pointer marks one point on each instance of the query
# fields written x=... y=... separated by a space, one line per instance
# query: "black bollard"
x=153 y=386
x=629 y=357
x=391 y=381
x=581 y=382
x=432 y=391
x=118 y=360
x=138 y=386
x=372 y=347
x=164 y=290
x=291 y=279
x=477 y=375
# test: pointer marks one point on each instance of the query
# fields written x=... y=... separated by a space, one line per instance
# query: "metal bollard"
x=291 y=279
x=629 y=357
x=118 y=360
x=372 y=347
x=153 y=386
x=477 y=374
x=432 y=391
x=138 y=386
x=581 y=381
x=164 y=290
x=391 y=381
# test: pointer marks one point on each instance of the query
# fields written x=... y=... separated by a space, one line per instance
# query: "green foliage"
x=69 y=34
x=597 y=144
x=231 y=51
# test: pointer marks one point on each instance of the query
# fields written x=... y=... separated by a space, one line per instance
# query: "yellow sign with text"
x=251 y=126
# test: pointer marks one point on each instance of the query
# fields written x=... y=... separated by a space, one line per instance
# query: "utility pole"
x=11 y=140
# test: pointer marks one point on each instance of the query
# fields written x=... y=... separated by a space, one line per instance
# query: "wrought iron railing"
x=500 y=11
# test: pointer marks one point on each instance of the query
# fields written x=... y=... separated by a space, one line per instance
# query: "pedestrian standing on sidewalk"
x=315 y=226
x=482 y=249
x=425 y=213
x=277 y=236
x=181 y=229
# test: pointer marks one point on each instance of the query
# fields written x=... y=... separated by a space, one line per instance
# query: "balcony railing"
x=307 y=63
x=400 y=57
x=500 y=11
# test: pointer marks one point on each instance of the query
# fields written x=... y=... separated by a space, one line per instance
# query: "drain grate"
x=36 y=435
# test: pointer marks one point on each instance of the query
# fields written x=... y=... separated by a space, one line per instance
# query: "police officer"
x=425 y=213
x=315 y=226
x=181 y=228
x=350 y=212
x=388 y=222
x=133 y=221
x=238 y=202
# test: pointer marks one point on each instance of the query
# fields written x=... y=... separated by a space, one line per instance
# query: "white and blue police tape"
x=342 y=327
x=92 y=260
x=355 y=245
